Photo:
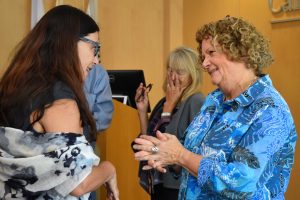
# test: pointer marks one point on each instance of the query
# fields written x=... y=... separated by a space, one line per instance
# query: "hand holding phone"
x=148 y=87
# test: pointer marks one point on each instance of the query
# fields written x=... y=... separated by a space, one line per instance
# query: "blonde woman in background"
x=173 y=113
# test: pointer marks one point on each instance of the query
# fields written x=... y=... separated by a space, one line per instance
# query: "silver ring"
x=154 y=149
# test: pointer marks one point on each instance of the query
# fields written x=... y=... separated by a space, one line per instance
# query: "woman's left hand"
x=159 y=152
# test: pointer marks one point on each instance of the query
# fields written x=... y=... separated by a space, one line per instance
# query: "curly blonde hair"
x=239 y=40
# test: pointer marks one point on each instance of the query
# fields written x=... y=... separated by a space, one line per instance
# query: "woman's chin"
x=215 y=81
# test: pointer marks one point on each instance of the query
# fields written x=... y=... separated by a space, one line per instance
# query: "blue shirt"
x=98 y=93
x=247 y=144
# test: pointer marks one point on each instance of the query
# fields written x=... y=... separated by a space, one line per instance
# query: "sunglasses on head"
x=96 y=45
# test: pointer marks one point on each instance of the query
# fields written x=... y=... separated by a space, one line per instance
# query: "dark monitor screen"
x=124 y=83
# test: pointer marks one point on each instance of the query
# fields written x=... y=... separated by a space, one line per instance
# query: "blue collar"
x=248 y=96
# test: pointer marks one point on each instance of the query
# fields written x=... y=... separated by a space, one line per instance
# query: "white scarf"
x=43 y=166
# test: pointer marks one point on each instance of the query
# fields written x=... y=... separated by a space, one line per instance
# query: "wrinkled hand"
x=112 y=188
x=151 y=163
x=170 y=150
x=141 y=98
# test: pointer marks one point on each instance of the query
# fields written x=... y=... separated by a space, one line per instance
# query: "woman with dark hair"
x=43 y=113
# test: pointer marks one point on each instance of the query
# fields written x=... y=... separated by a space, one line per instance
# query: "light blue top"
x=247 y=144
x=98 y=93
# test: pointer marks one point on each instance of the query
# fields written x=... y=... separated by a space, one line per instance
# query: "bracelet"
x=166 y=114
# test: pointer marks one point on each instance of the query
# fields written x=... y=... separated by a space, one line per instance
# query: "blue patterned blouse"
x=247 y=145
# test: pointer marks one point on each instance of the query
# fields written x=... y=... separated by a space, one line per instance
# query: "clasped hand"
x=169 y=150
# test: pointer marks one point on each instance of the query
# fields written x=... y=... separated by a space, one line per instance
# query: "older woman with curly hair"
x=241 y=145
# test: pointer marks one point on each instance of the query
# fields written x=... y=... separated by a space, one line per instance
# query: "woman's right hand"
x=141 y=98
x=174 y=91
x=112 y=188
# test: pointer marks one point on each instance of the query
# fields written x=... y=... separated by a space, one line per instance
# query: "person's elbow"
x=79 y=190
x=103 y=122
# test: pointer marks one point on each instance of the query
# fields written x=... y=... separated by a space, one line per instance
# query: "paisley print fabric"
x=43 y=166
x=247 y=145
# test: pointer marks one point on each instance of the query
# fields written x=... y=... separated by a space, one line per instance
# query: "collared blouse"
x=247 y=144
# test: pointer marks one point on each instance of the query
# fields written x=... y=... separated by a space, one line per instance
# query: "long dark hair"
x=46 y=55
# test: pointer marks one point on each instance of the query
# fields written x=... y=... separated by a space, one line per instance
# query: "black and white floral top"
x=43 y=166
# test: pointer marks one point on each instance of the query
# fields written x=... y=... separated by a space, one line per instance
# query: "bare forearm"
x=143 y=122
x=169 y=107
x=190 y=161
x=99 y=175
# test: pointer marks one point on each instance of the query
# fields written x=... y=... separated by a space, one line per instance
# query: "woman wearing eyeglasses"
x=43 y=113
x=172 y=114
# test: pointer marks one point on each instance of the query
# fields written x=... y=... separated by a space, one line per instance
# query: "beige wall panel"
x=285 y=42
x=136 y=35
x=15 y=23
x=81 y=4
x=132 y=38
x=196 y=13
x=175 y=23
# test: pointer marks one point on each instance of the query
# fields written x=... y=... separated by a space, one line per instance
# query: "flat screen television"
x=124 y=83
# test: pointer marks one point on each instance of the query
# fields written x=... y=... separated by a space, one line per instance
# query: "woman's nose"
x=205 y=63
x=96 y=60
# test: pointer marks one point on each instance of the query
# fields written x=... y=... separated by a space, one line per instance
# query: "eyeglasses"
x=96 y=45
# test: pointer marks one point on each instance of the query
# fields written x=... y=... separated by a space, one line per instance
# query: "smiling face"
x=219 y=67
x=86 y=53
